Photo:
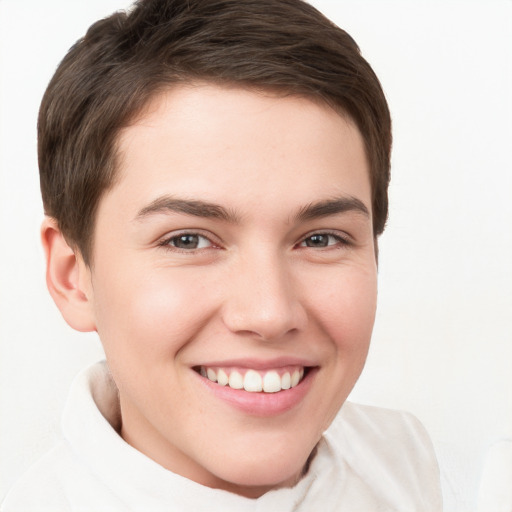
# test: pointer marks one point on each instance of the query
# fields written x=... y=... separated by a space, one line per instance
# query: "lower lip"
x=262 y=404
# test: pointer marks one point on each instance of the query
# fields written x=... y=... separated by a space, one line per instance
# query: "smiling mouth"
x=255 y=381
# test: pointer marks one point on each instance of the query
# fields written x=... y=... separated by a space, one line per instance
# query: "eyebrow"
x=167 y=204
x=206 y=209
x=332 y=207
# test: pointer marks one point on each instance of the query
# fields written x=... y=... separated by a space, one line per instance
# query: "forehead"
x=206 y=139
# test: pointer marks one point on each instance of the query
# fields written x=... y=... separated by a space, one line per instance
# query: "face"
x=233 y=282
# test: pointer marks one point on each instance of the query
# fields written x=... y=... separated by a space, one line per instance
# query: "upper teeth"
x=254 y=381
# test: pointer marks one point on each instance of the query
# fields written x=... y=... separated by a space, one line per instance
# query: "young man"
x=214 y=175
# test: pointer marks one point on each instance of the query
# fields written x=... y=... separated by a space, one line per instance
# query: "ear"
x=67 y=278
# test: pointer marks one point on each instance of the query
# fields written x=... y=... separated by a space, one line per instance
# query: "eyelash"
x=341 y=241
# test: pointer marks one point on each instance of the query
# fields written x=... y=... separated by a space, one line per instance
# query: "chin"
x=255 y=485
x=253 y=477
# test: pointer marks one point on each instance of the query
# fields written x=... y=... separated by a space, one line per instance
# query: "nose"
x=262 y=299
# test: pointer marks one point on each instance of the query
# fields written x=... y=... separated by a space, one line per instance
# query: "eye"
x=188 y=241
x=321 y=240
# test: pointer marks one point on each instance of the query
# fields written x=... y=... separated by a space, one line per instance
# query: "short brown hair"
x=110 y=74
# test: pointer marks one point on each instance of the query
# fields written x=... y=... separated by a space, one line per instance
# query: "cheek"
x=148 y=315
x=346 y=315
x=346 y=310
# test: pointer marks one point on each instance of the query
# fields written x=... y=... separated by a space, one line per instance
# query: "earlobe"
x=66 y=278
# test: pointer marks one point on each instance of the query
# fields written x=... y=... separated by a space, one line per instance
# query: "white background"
x=442 y=345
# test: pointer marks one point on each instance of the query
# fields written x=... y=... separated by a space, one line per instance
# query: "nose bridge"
x=262 y=298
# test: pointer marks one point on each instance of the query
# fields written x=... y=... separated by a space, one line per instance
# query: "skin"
x=257 y=287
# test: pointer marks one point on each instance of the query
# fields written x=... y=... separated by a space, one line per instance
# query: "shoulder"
x=68 y=478
x=59 y=481
x=377 y=424
x=40 y=488
x=391 y=451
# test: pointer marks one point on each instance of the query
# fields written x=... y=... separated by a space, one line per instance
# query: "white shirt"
x=369 y=460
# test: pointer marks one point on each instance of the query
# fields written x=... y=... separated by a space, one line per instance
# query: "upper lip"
x=259 y=364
